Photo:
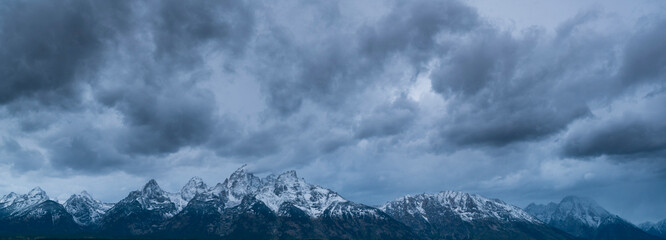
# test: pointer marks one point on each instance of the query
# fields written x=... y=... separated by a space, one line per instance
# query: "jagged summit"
x=579 y=199
x=82 y=194
x=151 y=186
x=85 y=193
x=239 y=172
x=242 y=167
x=271 y=177
x=195 y=181
x=193 y=187
x=580 y=205
x=85 y=210
x=274 y=191
x=240 y=184
x=584 y=210
x=37 y=192
x=8 y=199
x=287 y=187
x=288 y=174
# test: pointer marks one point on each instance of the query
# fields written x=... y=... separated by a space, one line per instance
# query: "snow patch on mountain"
x=287 y=187
x=657 y=229
x=274 y=191
x=15 y=204
x=582 y=210
x=343 y=209
x=239 y=185
x=192 y=188
x=86 y=210
x=469 y=207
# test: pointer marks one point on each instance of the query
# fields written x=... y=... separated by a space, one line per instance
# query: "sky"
x=525 y=100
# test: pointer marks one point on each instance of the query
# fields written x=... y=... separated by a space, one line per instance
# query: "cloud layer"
x=376 y=99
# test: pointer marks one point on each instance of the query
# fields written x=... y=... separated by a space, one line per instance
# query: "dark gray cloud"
x=324 y=74
x=333 y=143
x=505 y=89
x=160 y=102
x=388 y=120
x=498 y=96
x=85 y=152
x=412 y=28
x=146 y=71
x=645 y=53
x=165 y=121
x=633 y=135
x=565 y=29
x=624 y=137
x=180 y=28
x=19 y=158
x=255 y=144
x=338 y=65
x=47 y=52
x=489 y=56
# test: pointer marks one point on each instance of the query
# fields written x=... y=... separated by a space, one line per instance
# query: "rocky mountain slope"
x=85 y=210
x=657 y=229
x=34 y=214
x=457 y=215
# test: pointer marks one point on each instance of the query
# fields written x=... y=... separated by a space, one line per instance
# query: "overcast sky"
x=526 y=100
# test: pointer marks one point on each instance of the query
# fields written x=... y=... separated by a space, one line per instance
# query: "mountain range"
x=285 y=206
x=656 y=229
x=584 y=218
x=457 y=215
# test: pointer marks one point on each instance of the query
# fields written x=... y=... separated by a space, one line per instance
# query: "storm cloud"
x=46 y=52
x=634 y=130
x=375 y=99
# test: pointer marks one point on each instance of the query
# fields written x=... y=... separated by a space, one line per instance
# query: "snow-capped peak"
x=270 y=178
x=153 y=197
x=288 y=188
x=291 y=174
x=468 y=207
x=14 y=203
x=583 y=210
x=37 y=193
x=239 y=185
x=274 y=191
x=152 y=188
x=85 y=209
x=578 y=205
x=85 y=194
x=8 y=199
x=192 y=188
x=658 y=229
